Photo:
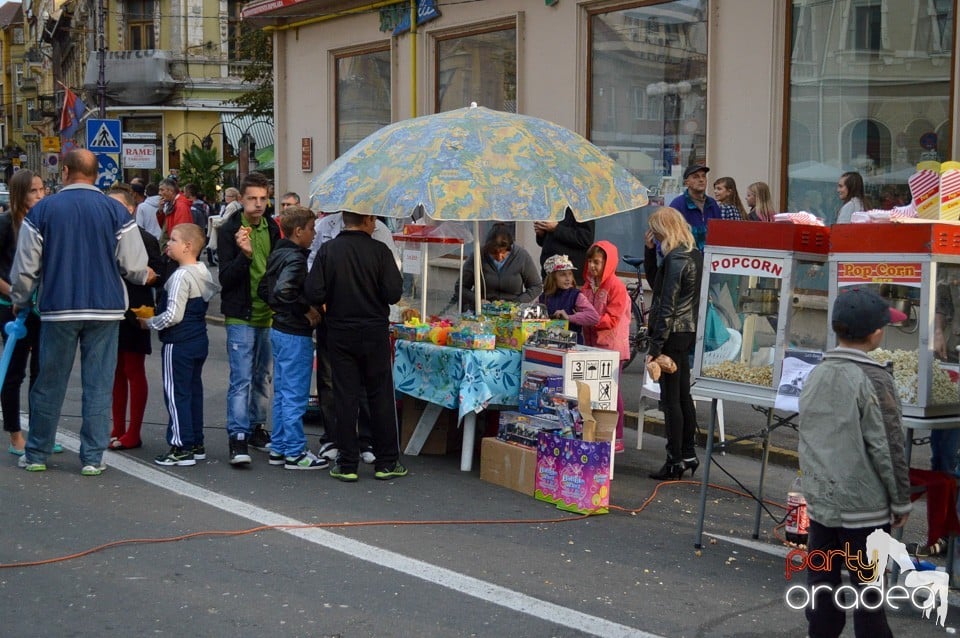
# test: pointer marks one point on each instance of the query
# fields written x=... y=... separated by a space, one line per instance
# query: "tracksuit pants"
x=183 y=390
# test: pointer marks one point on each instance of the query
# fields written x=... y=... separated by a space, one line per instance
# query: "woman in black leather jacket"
x=673 y=329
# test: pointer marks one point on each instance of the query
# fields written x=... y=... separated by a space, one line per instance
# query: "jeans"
x=943 y=451
x=293 y=363
x=98 y=357
x=251 y=378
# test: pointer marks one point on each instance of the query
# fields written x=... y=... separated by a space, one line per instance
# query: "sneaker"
x=57 y=448
x=394 y=471
x=276 y=458
x=328 y=450
x=618 y=446
x=305 y=461
x=200 y=452
x=93 y=470
x=344 y=474
x=176 y=456
x=30 y=466
x=239 y=455
x=368 y=457
x=259 y=438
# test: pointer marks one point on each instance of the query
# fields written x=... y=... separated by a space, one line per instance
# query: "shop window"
x=477 y=67
x=140 y=25
x=18 y=35
x=842 y=104
x=363 y=96
x=660 y=49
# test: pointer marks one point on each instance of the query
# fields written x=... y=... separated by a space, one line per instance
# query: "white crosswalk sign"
x=103 y=136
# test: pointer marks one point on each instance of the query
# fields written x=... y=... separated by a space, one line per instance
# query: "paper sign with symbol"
x=606 y=369
x=103 y=136
x=577 y=370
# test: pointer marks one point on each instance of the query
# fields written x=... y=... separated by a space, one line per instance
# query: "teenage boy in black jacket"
x=292 y=339
x=357 y=278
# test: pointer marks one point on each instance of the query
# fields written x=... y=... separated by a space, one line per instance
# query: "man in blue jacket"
x=76 y=247
x=695 y=205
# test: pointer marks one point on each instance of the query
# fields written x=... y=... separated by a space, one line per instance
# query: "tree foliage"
x=256 y=47
x=201 y=167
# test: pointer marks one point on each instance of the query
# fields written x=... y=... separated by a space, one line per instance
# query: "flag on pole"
x=73 y=111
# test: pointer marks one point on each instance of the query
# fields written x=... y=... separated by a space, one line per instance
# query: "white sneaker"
x=305 y=461
x=368 y=457
x=328 y=451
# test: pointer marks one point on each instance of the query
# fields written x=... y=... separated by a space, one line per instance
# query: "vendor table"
x=465 y=380
x=766 y=403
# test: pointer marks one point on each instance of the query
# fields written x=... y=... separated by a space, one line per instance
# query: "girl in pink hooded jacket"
x=609 y=296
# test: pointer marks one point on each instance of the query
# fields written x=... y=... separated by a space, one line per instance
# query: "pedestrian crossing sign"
x=103 y=136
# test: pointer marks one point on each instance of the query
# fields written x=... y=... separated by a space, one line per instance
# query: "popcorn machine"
x=763 y=296
x=916 y=267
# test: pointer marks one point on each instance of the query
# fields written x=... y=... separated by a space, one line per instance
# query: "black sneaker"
x=200 y=452
x=394 y=471
x=239 y=455
x=276 y=458
x=176 y=456
x=345 y=474
x=259 y=438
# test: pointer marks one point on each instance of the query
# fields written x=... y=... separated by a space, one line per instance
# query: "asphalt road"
x=438 y=553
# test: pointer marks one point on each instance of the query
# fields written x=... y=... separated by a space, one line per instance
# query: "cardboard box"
x=509 y=465
x=513 y=333
x=575 y=475
x=446 y=436
x=599 y=369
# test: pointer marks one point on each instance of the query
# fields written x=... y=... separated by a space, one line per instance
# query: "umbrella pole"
x=425 y=268
x=477 y=282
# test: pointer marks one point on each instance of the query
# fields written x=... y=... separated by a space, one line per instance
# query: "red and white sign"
x=747 y=265
x=849 y=273
x=139 y=156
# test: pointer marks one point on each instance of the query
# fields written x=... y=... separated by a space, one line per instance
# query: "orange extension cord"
x=263 y=528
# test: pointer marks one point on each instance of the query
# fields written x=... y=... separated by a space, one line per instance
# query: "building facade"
x=169 y=71
x=790 y=93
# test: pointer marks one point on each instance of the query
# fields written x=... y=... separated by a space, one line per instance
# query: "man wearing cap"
x=695 y=205
x=855 y=473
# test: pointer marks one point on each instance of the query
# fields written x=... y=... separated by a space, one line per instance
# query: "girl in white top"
x=850 y=191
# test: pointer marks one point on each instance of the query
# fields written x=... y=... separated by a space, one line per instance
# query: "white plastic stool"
x=651 y=390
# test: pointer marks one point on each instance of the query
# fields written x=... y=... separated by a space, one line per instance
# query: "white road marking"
x=480 y=589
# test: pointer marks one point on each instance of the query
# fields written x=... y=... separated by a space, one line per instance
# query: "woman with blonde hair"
x=725 y=190
x=672 y=326
x=760 y=202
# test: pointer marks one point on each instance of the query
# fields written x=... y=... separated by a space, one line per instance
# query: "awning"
x=259 y=127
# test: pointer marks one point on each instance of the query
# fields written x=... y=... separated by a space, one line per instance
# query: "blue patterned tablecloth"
x=467 y=380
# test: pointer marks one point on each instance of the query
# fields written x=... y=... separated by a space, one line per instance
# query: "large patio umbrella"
x=477 y=164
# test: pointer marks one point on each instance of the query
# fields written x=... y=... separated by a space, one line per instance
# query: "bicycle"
x=639 y=337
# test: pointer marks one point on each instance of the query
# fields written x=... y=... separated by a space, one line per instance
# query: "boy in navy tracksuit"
x=183 y=333
x=291 y=337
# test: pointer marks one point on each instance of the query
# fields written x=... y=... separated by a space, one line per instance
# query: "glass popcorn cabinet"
x=916 y=267
x=764 y=293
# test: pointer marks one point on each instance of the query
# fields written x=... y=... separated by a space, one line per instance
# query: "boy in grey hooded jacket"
x=855 y=474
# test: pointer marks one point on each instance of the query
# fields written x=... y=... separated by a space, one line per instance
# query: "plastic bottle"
x=797 y=521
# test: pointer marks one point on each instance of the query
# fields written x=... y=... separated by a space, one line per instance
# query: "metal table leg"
x=763 y=473
x=705 y=476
